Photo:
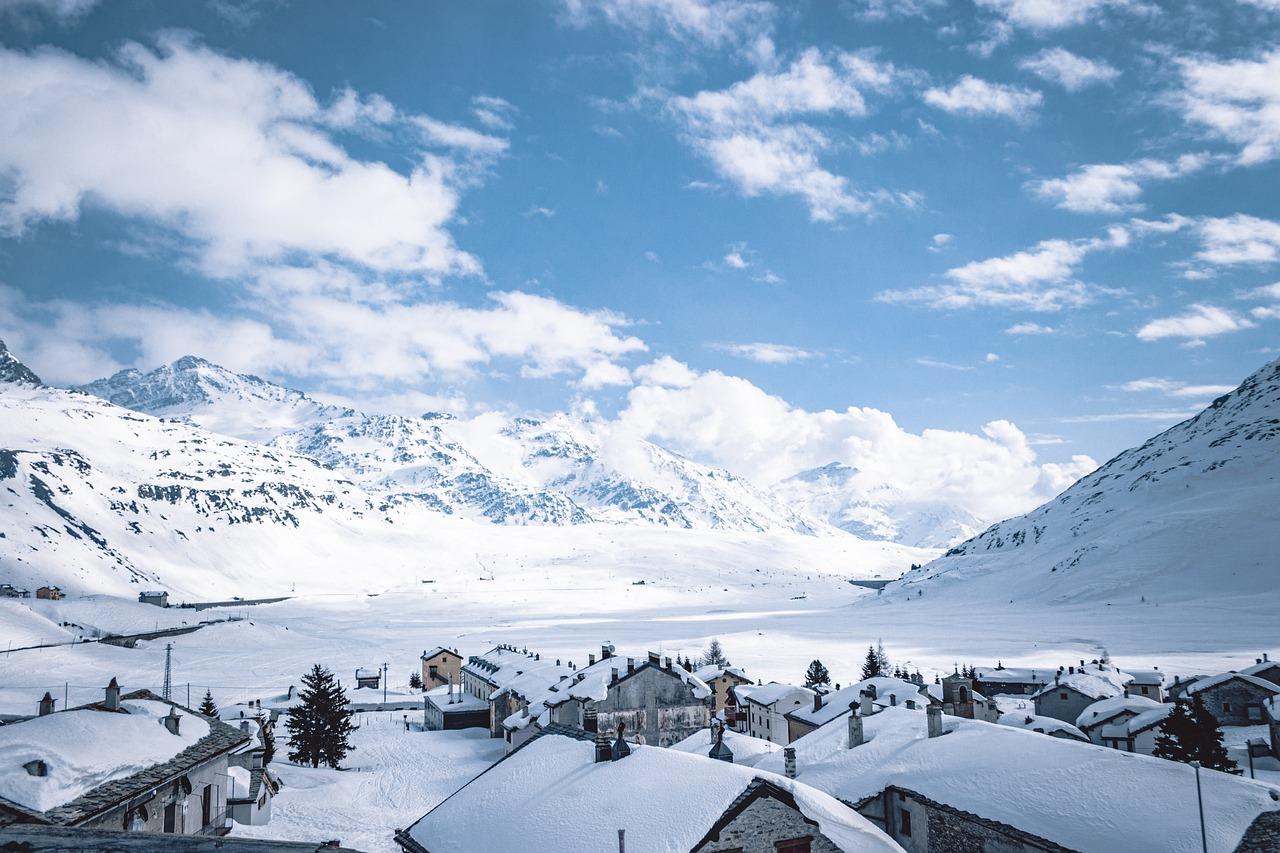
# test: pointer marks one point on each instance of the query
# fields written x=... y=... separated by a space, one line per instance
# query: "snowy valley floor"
x=772 y=624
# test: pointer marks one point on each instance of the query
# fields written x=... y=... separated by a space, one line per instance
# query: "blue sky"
x=688 y=215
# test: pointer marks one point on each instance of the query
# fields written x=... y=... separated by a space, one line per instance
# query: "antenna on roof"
x=167 y=690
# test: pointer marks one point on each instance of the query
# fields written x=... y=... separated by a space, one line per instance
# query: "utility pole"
x=167 y=690
x=1204 y=839
x=384 y=682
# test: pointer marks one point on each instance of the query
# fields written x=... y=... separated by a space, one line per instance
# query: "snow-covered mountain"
x=555 y=472
x=1191 y=515
x=14 y=371
x=833 y=493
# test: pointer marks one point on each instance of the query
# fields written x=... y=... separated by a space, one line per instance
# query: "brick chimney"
x=789 y=761
x=603 y=752
x=855 y=727
x=46 y=705
x=591 y=720
x=112 y=697
x=171 y=720
x=933 y=716
x=817 y=701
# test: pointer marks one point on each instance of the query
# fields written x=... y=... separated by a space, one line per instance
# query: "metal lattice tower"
x=167 y=691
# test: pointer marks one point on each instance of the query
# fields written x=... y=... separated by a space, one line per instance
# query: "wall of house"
x=212 y=773
x=990 y=687
x=1154 y=692
x=940 y=830
x=1231 y=702
x=763 y=824
x=1052 y=704
x=447 y=667
x=656 y=705
x=769 y=722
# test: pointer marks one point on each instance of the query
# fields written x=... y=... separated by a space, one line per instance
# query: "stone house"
x=767 y=709
x=1264 y=668
x=441 y=666
x=1075 y=689
x=1111 y=712
x=183 y=794
x=159 y=598
x=641 y=798
x=1147 y=683
x=49 y=593
x=960 y=698
x=1012 y=681
x=722 y=680
x=1234 y=698
x=658 y=703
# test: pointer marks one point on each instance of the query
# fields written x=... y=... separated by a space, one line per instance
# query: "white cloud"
x=942 y=365
x=972 y=96
x=710 y=22
x=1173 y=388
x=63 y=10
x=539 y=211
x=754 y=135
x=1029 y=329
x=1195 y=324
x=735 y=260
x=1037 y=279
x=232 y=154
x=728 y=421
x=1236 y=100
x=493 y=112
x=1167 y=416
x=1113 y=187
x=766 y=353
x=666 y=372
x=992 y=358
x=1049 y=14
x=1239 y=239
x=939 y=242
x=1070 y=71
x=877 y=10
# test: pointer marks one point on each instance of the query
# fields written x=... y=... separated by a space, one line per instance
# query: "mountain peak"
x=13 y=370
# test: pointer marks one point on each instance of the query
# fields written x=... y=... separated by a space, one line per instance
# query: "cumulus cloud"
x=938 y=242
x=1195 y=324
x=764 y=353
x=1042 y=15
x=1238 y=239
x=1070 y=71
x=1037 y=279
x=729 y=421
x=1236 y=100
x=235 y=156
x=735 y=260
x=973 y=96
x=1029 y=329
x=1113 y=187
x=756 y=133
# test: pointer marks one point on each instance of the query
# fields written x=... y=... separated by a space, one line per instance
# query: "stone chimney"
x=655 y=659
x=867 y=708
x=603 y=752
x=606 y=651
x=46 y=705
x=620 y=748
x=615 y=674
x=666 y=664
x=591 y=720
x=631 y=665
x=591 y=659
x=112 y=699
x=789 y=761
x=817 y=701
x=172 y=720
x=893 y=700
x=855 y=727
x=933 y=715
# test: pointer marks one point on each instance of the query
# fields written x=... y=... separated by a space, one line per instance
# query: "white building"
x=768 y=706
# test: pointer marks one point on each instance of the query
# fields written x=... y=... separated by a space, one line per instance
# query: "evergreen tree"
x=1177 y=735
x=714 y=655
x=319 y=727
x=816 y=674
x=882 y=657
x=1209 y=749
x=268 y=738
x=206 y=705
x=415 y=681
x=871 y=666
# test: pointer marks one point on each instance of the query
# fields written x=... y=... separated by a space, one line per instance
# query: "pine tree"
x=871 y=666
x=1177 y=735
x=268 y=738
x=816 y=674
x=1209 y=749
x=206 y=705
x=714 y=655
x=415 y=681
x=319 y=727
x=882 y=657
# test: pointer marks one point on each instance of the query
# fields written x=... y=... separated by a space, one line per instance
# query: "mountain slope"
x=1192 y=514
x=12 y=370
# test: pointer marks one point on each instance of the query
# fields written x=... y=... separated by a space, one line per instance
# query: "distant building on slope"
x=569 y=790
x=8 y=590
x=130 y=762
x=368 y=677
x=158 y=597
x=441 y=666
x=49 y=593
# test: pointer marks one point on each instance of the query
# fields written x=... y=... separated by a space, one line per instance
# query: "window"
x=1063 y=696
x=1254 y=712
x=1145 y=690
x=171 y=817
x=906 y=822
x=206 y=805
x=795 y=845
x=1226 y=707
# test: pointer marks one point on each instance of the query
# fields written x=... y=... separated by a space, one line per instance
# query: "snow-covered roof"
x=462 y=701
x=1203 y=684
x=1098 y=681
x=1147 y=676
x=1015 y=675
x=889 y=691
x=711 y=673
x=512 y=669
x=551 y=795
x=1132 y=726
x=1078 y=795
x=430 y=653
x=1106 y=710
x=87 y=747
x=747 y=750
x=1261 y=666
x=774 y=692
x=1041 y=724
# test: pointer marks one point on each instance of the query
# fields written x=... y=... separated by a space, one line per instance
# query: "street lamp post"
x=1204 y=839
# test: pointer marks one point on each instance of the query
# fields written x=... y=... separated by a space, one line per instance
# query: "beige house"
x=441 y=666
x=722 y=680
